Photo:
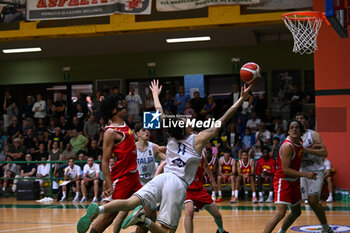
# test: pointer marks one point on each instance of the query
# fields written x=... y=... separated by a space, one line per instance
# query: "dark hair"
x=244 y=151
x=138 y=127
x=70 y=158
x=300 y=126
x=276 y=138
x=265 y=148
x=302 y=114
x=90 y=157
x=227 y=150
x=175 y=132
x=107 y=106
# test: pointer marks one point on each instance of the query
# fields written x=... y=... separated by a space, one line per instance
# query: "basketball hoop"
x=304 y=26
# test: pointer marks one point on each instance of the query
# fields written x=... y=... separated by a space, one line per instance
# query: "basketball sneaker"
x=213 y=197
x=255 y=200
x=269 y=199
x=219 y=199
x=234 y=199
x=329 y=199
x=83 y=200
x=85 y=221
x=329 y=230
x=137 y=217
x=261 y=199
x=223 y=232
x=95 y=199
x=76 y=199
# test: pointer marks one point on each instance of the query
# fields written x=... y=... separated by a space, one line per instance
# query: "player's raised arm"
x=156 y=89
x=203 y=137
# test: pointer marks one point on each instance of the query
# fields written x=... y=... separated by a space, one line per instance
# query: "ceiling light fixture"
x=188 y=39
x=22 y=50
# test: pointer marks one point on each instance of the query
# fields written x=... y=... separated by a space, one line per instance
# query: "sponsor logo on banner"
x=66 y=9
x=318 y=228
x=180 y=5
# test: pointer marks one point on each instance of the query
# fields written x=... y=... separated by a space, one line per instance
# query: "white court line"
x=259 y=215
x=32 y=228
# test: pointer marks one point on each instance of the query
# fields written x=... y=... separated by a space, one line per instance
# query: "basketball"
x=250 y=73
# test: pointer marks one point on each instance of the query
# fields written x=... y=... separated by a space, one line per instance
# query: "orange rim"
x=304 y=15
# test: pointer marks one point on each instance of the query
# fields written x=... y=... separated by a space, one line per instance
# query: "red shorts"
x=226 y=180
x=286 y=191
x=199 y=197
x=126 y=186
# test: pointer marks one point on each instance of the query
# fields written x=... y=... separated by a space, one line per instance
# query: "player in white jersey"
x=169 y=188
x=311 y=188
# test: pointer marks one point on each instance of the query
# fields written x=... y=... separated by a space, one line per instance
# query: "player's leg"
x=64 y=193
x=77 y=188
x=231 y=181
x=280 y=213
x=330 y=188
x=220 y=181
x=102 y=222
x=83 y=190
x=270 y=198
x=214 y=211
x=259 y=186
x=252 y=185
x=119 y=220
x=96 y=183
x=239 y=180
x=291 y=217
x=189 y=213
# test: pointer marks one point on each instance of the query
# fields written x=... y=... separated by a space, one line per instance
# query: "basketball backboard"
x=337 y=13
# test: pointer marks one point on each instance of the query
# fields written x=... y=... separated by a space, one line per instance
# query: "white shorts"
x=311 y=187
x=170 y=191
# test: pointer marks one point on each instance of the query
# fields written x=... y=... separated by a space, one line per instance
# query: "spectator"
x=91 y=128
x=11 y=171
x=329 y=179
x=235 y=95
x=209 y=108
x=268 y=119
x=296 y=100
x=197 y=103
x=63 y=125
x=81 y=159
x=227 y=171
x=78 y=141
x=28 y=108
x=68 y=153
x=213 y=149
x=247 y=107
x=73 y=174
x=180 y=100
x=253 y=123
x=49 y=108
x=77 y=125
x=280 y=122
x=3 y=155
x=233 y=141
x=28 y=142
x=56 y=137
x=241 y=125
x=265 y=171
x=43 y=172
x=248 y=140
x=149 y=103
x=105 y=90
x=28 y=124
x=260 y=104
x=189 y=111
x=168 y=104
x=279 y=134
x=14 y=129
x=51 y=128
x=80 y=113
x=256 y=152
x=42 y=152
x=93 y=150
x=41 y=129
x=17 y=150
x=134 y=104
x=55 y=152
x=27 y=170
x=8 y=101
x=91 y=177
x=3 y=140
x=263 y=134
x=59 y=108
x=96 y=106
x=39 y=108
x=275 y=148
x=116 y=92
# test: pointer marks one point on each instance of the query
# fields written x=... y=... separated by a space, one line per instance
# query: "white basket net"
x=305 y=30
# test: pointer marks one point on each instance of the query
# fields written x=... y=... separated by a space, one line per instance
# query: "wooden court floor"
x=243 y=217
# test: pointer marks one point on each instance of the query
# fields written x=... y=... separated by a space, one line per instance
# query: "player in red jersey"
x=286 y=182
x=265 y=170
x=246 y=174
x=213 y=166
x=122 y=180
x=227 y=171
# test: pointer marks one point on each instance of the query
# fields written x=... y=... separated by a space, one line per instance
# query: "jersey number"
x=183 y=149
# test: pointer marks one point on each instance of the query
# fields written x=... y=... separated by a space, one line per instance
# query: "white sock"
x=271 y=194
x=233 y=193
x=261 y=194
x=281 y=231
x=219 y=192
x=148 y=222
x=254 y=194
x=213 y=193
x=64 y=194
x=101 y=209
x=77 y=194
x=236 y=193
x=331 y=195
x=83 y=197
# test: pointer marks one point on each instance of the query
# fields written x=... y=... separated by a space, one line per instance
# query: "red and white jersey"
x=246 y=168
x=211 y=164
x=226 y=167
x=124 y=152
x=197 y=183
x=296 y=159
x=269 y=166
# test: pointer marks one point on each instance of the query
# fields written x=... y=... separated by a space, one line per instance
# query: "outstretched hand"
x=155 y=88
x=245 y=91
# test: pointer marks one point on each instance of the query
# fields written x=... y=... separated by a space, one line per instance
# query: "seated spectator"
x=78 y=141
x=77 y=125
x=42 y=152
x=28 y=124
x=269 y=120
x=279 y=122
x=56 y=137
x=265 y=171
x=41 y=129
x=27 y=110
x=213 y=166
x=275 y=148
x=189 y=111
x=329 y=179
x=43 y=172
x=68 y=153
x=208 y=109
x=253 y=123
x=213 y=149
x=11 y=170
x=28 y=142
x=73 y=174
x=55 y=152
x=197 y=103
x=80 y=113
x=59 y=108
x=246 y=175
x=91 y=128
x=51 y=128
x=248 y=140
x=217 y=142
x=233 y=141
x=256 y=152
x=279 y=134
x=227 y=171
x=241 y=126
x=263 y=134
x=63 y=125
x=27 y=170
x=90 y=177
x=17 y=151
x=39 y=108
x=14 y=129
x=93 y=150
